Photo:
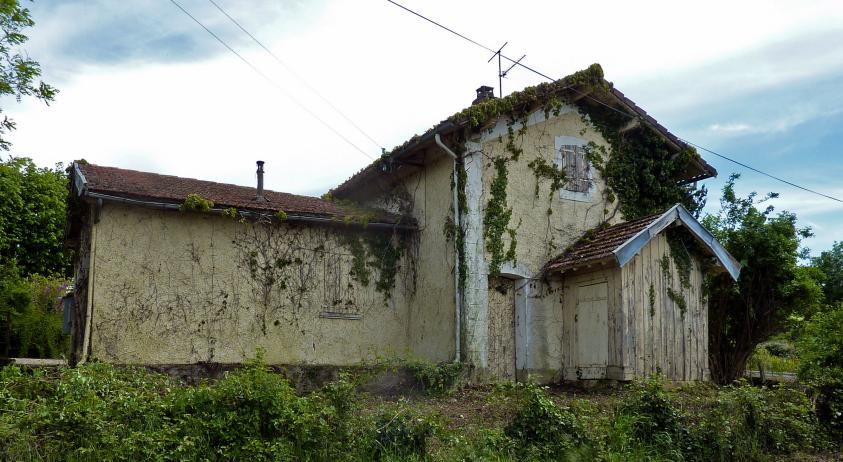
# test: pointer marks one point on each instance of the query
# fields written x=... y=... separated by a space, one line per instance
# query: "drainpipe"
x=457 y=291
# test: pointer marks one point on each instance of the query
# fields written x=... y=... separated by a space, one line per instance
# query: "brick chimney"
x=483 y=93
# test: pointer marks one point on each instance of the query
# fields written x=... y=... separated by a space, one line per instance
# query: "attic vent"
x=483 y=93
x=259 y=196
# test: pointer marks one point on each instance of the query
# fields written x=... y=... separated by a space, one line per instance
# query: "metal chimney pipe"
x=259 y=197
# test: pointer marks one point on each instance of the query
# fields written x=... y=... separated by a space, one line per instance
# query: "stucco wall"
x=425 y=193
x=541 y=236
x=171 y=288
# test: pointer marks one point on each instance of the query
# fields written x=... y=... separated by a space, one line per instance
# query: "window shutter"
x=576 y=167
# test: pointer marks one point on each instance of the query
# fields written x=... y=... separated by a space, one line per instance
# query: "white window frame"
x=586 y=196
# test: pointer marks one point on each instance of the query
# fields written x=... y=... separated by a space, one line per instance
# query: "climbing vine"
x=456 y=233
x=651 y=295
x=377 y=251
x=643 y=171
x=682 y=247
x=678 y=299
x=544 y=170
x=196 y=203
x=496 y=220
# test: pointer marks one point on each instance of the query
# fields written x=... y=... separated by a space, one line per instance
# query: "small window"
x=571 y=158
x=576 y=167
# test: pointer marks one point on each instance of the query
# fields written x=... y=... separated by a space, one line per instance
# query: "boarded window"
x=577 y=170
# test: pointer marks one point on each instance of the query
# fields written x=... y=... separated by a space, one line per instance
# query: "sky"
x=142 y=86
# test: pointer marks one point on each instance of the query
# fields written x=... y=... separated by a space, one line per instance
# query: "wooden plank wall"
x=660 y=338
x=570 y=359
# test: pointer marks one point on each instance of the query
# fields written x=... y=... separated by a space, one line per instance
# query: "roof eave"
x=629 y=249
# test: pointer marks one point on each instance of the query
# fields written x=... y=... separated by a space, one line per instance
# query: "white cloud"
x=733 y=128
x=210 y=116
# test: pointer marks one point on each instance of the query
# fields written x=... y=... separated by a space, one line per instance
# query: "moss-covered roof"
x=588 y=82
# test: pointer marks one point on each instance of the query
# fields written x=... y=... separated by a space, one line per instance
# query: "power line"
x=759 y=171
x=295 y=74
x=519 y=63
x=272 y=82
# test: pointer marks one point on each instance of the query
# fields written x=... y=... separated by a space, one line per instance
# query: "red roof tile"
x=148 y=186
x=600 y=245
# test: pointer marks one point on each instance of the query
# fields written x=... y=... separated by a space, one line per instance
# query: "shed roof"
x=620 y=243
x=478 y=115
x=147 y=188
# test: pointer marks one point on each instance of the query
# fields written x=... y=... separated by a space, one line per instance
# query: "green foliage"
x=32 y=215
x=821 y=351
x=437 y=378
x=281 y=215
x=196 y=203
x=402 y=433
x=539 y=427
x=643 y=171
x=651 y=297
x=359 y=269
x=30 y=324
x=771 y=287
x=763 y=359
x=462 y=204
x=748 y=423
x=230 y=212
x=543 y=170
x=385 y=257
x=18 y=72
x=496 y=219
x=519 y=104
x=830 y=262
x=680 y=243
x=101 y=412
x=676 y=297
x=378 y=251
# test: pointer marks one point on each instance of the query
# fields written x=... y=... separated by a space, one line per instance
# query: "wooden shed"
x=633 y=301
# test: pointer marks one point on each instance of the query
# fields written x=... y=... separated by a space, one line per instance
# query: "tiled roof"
x=153 y=187
x=613 y=97
x=600 y=245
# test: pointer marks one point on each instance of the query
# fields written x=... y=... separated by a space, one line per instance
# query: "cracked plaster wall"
x=176 y=288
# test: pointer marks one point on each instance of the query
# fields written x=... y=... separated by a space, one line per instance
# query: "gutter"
x=249 y=213
x=457 y=292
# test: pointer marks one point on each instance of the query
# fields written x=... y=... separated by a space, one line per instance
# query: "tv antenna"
x=502 y=73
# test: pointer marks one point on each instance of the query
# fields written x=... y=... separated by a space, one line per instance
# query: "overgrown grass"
x=773 y=358
x=100 y=412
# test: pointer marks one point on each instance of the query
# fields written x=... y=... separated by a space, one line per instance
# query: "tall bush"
x=821 y=352
x=30 y=317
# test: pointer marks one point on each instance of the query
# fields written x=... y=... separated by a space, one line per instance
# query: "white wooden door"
x=592 y=330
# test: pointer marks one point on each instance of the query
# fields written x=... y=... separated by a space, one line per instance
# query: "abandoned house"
x=544 y=234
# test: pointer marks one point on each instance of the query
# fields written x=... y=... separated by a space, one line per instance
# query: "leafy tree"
x=821 y=353
x=32 y=217
x=771 y=288
x=830 y=262
x=30 y=325
x=18 y=72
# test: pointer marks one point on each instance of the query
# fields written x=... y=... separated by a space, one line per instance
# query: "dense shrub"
x=748 y=422
x=540 y=427
x=30 y=317
x=402 y=433
x=101 y=412
x=821 y=352
x=437 y=379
